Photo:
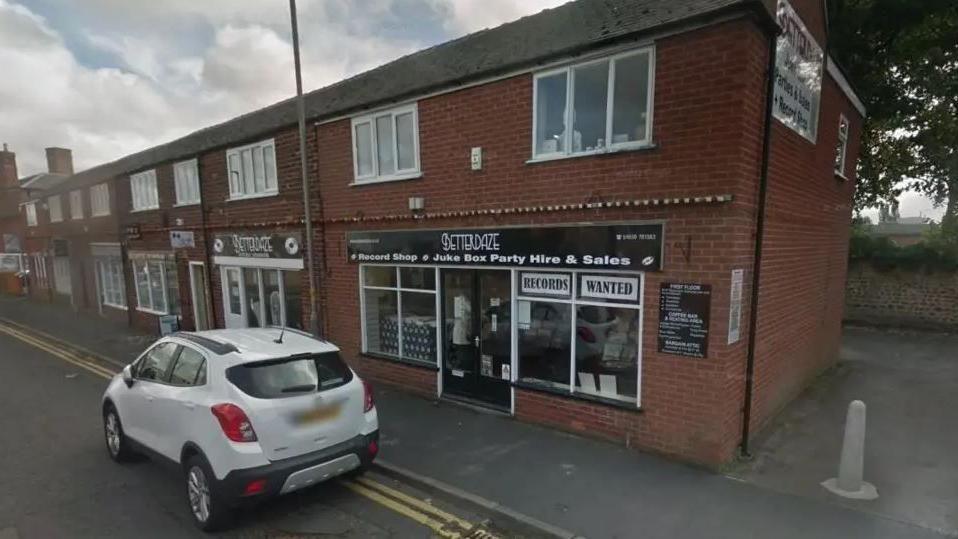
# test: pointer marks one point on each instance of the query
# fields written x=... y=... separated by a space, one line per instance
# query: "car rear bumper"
x=299 y=472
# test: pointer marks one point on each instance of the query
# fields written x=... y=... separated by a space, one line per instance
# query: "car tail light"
x=236 y=426
x=585 y=334
x=254 y=487
x=368 y=402
x=373 y=448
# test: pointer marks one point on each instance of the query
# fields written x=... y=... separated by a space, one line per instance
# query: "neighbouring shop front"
x=261 y=276
x=557 y=308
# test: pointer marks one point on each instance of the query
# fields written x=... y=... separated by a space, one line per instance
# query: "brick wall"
x=805 y=250
x=907 y=298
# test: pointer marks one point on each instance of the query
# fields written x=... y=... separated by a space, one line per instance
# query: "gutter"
x=759 y=237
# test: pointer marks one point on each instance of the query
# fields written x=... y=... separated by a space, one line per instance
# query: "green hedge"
x=933 y=254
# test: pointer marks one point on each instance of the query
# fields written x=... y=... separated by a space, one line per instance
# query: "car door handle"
x=189 y=405
x=149 y=398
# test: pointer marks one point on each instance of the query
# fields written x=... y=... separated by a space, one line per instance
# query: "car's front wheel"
x=208 y=511
x=117 y=445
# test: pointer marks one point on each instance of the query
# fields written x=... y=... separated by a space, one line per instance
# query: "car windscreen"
x=292 y=376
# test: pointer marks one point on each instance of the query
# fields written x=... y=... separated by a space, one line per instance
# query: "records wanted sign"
x=636 y=247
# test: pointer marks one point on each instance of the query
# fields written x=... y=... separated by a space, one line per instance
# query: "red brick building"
x=556 y=218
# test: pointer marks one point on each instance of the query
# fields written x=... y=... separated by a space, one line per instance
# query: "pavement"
x=473 y=460
x=909 y=383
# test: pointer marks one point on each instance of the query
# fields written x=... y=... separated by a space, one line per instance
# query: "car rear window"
x=290 y=377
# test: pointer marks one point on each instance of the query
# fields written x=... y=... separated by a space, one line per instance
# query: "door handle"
x=149 y=398
x=189 y=405
x=476 y=341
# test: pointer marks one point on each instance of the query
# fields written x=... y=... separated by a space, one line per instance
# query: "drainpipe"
x=759 y=237
x=208 y=265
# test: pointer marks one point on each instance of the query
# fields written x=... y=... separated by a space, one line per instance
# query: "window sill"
x=252 y=197
x=387 y=179
x=612 y=151
x=144 y=210
x=95 y=215
x=151 y=311
x=613 y=403
x=115 y=306
x=186 y=204
x=392 y=359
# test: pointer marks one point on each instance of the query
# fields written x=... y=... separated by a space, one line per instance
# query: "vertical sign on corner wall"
x=735 y=306
x=799 y=63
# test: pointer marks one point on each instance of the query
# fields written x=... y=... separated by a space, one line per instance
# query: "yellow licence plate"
x=318 y=415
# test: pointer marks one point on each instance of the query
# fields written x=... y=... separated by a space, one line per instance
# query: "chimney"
x=59 y=161
x=8 y=168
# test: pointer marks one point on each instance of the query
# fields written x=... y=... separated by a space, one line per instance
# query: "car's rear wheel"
x=117 y=444
x=206 y=506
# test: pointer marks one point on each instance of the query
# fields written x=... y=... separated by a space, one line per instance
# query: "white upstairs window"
x=100 y=200
x=386 y=145
x=186 y=179
x=76 y=204
x=31 y=211
x=842 y=146
x=56 y=209
x=143 y=191
x=252 y=170
x=594 y=107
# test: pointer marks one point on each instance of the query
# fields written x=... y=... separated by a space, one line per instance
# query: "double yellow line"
x=443 y=523
x=51 y=348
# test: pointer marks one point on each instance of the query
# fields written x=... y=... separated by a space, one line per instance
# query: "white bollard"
x=849 y=483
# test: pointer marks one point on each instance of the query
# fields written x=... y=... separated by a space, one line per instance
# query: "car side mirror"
x=128 y=375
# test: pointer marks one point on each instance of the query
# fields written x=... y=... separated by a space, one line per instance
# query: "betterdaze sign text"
x=636 y=247
x=258 y=245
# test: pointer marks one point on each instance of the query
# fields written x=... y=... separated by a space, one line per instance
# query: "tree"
x=902 y=57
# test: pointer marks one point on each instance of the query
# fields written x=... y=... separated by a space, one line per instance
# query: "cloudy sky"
x=109 y=77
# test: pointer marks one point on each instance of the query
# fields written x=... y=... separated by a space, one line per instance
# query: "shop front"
x=260 y=275
x=552 y=308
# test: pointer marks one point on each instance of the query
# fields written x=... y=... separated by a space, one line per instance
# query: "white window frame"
x=840 y=159
x=110 y=281
x=143 y=191
x=76 y=205
x=399 y=290
x=100 y=200
x=569 y=113
x=238 y=194
x=399 y=174
x=30 y=209
x=187 y=187
x=54 y=202
x=138 y=263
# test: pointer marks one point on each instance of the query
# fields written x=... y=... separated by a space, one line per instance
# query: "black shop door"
x=477 y=335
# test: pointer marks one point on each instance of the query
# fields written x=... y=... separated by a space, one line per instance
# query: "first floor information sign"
x=684 y=319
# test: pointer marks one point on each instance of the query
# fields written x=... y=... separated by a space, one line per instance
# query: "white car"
x=245 y=413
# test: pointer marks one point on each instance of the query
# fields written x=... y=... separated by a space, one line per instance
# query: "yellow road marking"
x=404 y=510
x=42 y=335
x=69 y=358
x=414 y=502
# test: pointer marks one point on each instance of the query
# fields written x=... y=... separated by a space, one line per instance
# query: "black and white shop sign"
x=258 y=245
x=558 y=285
x=636 y=247
x=608 y=287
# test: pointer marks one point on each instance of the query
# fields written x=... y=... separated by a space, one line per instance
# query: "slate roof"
x=42 y=181
x=571 y=28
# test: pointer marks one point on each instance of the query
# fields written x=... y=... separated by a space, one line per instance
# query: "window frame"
x=370 y=119
x=165 y=380
x=238 y=151
x=178 y=168
x=569 y=113
x=139 y=182
x=30 y=213
x=138 y=263
x=100 y=200
x=111 y=283
x=76 y=205
x=55 y=201
x=399 y=290
x=841 y=161
x=574 y=301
